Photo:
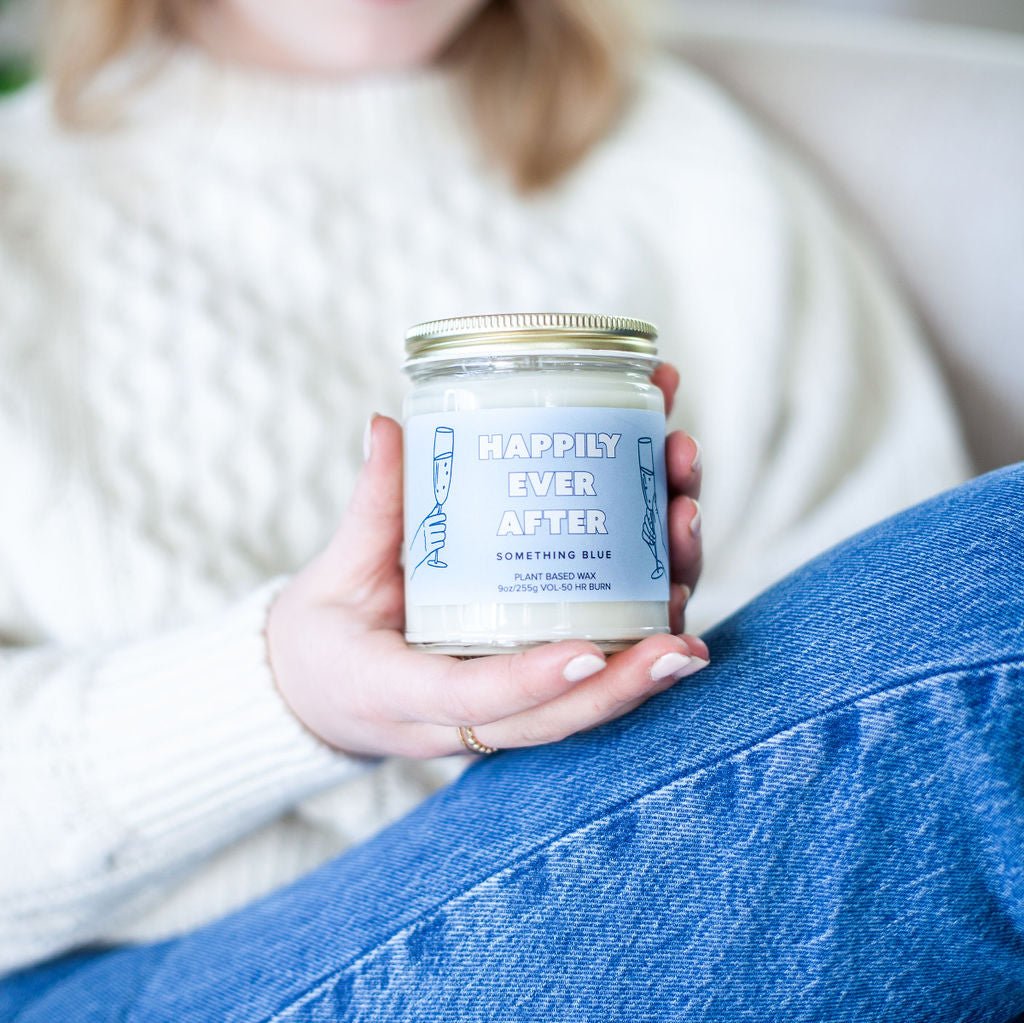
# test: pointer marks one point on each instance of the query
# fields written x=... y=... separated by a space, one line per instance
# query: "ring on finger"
x=468 y=739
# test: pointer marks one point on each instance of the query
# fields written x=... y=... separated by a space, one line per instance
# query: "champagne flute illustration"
x=444 y=450
x=652 y=517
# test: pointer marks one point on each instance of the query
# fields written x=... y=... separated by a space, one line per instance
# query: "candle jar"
x=535 y=487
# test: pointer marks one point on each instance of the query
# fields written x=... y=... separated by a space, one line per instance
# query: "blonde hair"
x=544 y=80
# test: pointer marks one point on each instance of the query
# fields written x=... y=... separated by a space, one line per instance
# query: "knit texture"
x=199 y=310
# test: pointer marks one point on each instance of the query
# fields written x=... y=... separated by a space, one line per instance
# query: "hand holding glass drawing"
x=434 y=525
x=651 y=531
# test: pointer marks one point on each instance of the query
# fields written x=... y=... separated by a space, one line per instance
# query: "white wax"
x=491 y=627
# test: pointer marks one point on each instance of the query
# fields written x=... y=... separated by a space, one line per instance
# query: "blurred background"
x=912 y=114
x=19 y=18
x=1005 y=15
x=15 y=34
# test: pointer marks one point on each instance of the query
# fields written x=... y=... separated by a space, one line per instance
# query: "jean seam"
x=890 y=688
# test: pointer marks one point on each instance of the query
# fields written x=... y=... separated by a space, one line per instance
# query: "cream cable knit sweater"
x=197 y=314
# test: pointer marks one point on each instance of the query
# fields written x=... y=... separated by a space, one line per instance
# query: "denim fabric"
x=825 y=825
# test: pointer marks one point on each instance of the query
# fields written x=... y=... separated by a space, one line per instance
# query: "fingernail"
x=686 y=593
x=368 y=437
x=582 y=667
x=696 y=463
x=695 y=664
x=695 y=521
x=668 y=664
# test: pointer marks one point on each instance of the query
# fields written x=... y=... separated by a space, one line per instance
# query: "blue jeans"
x=827 y=824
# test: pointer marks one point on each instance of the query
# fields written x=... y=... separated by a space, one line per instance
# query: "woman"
x=204 y=303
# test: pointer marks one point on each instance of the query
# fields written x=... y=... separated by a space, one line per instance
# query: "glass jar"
x=535 y=488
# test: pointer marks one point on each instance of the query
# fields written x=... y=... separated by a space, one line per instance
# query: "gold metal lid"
x=524 y=333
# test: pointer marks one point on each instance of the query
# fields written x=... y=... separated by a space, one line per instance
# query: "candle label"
x=535 y=505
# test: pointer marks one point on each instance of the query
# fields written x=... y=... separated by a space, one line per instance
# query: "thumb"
x=364 y=552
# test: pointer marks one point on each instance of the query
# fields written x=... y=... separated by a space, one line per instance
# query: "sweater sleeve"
x=122 y=768
x=128 y=759
x=860 y=424
x=805 y=375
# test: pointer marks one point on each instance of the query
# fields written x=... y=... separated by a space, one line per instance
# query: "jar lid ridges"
x=591 y=331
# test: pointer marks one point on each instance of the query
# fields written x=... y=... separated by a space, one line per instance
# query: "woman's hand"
x=342 y=664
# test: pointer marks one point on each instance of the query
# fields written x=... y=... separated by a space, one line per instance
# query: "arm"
x=122 y=764
x=122 y=768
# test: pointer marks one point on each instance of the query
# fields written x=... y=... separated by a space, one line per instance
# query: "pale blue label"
x=534 y=505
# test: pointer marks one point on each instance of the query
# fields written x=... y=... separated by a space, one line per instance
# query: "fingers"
x=666 y=376
x=435 y=529
x=682 y=458
x=682 y=452
x=686 y=554
x=683 y=462
x=445 y=690
x=679 y=596
x=630 y=678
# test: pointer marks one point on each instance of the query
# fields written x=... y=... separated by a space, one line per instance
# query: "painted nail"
x=582 y=667
x=695 y=664
x=668 y=664
x=695 y=521
x=368 y=437
x=696 y=463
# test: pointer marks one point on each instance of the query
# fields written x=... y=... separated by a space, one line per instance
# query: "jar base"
x=519 y=645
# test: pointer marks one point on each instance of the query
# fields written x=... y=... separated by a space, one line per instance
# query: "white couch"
x=919 y=128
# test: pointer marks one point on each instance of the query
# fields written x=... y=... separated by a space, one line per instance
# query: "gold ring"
x=468 y=739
